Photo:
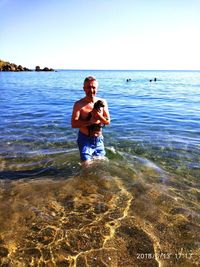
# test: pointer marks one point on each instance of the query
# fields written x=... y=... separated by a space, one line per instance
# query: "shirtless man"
x=90 y=140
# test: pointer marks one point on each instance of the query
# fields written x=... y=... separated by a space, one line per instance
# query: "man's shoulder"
x=79 y=102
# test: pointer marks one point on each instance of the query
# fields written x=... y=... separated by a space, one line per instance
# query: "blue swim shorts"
x=90 y=146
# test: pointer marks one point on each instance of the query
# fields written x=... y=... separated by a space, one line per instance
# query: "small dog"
x=96 y=127
x=98 y=105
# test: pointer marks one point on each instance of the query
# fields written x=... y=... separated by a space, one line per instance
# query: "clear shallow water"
x=141 y=206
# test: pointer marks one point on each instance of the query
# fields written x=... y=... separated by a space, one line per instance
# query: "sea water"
x=139 y=207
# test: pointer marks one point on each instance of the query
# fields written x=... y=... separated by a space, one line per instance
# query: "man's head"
x=90 y=86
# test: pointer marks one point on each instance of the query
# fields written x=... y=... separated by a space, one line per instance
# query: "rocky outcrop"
x=37 y=68
x=7 y=66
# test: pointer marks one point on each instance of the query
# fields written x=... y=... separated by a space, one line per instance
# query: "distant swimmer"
x=128 y=80
x=153 y=79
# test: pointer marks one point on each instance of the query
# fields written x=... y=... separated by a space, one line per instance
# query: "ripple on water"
x=76 y=221
x=112 y=213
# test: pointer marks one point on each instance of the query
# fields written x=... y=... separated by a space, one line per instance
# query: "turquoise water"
x=153 y=169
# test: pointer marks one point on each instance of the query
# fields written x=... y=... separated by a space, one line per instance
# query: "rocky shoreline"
x=7 y=66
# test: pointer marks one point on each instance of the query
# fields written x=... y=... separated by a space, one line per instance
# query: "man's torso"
x=85 y=109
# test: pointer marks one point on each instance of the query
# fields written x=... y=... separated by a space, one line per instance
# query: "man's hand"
x=95 y=114
x=99 y=116
x=95 y=119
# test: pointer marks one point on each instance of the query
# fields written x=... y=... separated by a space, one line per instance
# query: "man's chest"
x=84 y=112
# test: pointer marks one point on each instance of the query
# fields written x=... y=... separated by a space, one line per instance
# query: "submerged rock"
x=3 y=252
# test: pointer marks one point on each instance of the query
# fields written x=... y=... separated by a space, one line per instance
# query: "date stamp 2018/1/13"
x=164 y=255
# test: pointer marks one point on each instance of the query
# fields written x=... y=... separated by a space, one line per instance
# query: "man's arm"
x=105 y=117
x=106 y=113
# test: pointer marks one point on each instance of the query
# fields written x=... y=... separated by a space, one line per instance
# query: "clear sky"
x=101 y=34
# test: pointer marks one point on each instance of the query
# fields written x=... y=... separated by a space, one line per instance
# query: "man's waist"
x=88 y=132
x=92 y=135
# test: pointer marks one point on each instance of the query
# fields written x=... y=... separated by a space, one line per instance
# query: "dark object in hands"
x=98 y=105
x=96 y=127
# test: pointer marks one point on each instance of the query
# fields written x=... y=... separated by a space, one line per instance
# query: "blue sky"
x=101 y=34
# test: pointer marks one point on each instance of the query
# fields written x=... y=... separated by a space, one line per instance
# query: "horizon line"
x=125 y=69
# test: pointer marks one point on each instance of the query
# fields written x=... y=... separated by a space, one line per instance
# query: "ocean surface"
x=138 y=207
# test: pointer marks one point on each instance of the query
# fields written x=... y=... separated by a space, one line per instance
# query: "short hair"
x=89 y=79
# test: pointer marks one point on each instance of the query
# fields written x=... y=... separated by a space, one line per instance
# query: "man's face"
x=90 y=88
